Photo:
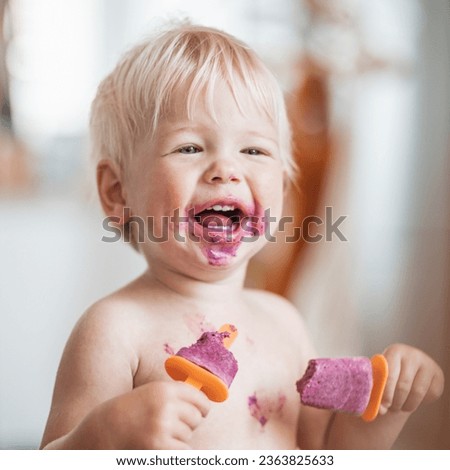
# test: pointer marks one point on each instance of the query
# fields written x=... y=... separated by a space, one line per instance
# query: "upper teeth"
x=218 y=207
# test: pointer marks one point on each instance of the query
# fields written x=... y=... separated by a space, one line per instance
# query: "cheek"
x=160 y=192
x=272 y=189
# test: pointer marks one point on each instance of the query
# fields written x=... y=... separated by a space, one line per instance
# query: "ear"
x=111 y=190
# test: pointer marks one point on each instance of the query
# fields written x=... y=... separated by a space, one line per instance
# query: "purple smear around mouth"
x=221 y=254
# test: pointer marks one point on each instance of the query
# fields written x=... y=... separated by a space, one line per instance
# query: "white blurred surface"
x=53 y=265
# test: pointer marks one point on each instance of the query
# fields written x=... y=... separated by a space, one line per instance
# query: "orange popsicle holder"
x=380 y=373
x=184 y=370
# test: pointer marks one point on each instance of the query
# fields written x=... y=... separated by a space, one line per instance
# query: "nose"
x=222 y=171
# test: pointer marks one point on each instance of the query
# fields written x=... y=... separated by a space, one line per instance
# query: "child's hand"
x=414 y=378
x=157 y=415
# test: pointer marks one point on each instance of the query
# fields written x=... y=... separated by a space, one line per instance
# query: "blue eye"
x=189 y=150
x=253 y=151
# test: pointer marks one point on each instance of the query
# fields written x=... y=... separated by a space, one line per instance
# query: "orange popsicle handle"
x=380 y=372
x=195 y=383
x=232 y=331
x=184 y=370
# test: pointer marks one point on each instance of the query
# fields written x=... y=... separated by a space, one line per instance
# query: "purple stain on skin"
x=198 y=324
x=221 y=254
x=168 y=349
x=249 y=341
x=281 y=401
x=264 y=407
x=255 y=410
x=252 y=401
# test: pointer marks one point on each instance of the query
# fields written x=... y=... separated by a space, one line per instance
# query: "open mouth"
x=222 y=221
x=220 y=217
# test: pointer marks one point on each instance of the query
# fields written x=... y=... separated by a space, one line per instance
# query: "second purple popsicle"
x=342 y=384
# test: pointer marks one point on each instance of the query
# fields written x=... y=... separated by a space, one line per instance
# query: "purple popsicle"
x=342 y=384
x=210 y=353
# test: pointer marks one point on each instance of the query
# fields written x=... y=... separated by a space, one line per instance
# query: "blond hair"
x=132 y=99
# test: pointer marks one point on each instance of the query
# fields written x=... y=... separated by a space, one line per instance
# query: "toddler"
x=192 y=149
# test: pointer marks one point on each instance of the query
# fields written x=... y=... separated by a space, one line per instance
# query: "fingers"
x=394 y=363
x=413 y=378
x=182 y=432
x=404 y=387
x=168 y=413
x=437 y=386
x=196 y=398
x=177 y=444
x=419 y=389
x=192 y=406
x=190 y=415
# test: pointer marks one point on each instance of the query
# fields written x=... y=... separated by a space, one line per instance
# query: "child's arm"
x=414 y=378
x=158 y=415
x=94 y=404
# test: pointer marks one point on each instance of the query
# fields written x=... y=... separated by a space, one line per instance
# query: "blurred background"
x=368 y=91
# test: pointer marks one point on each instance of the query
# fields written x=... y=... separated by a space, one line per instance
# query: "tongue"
x=213 y=219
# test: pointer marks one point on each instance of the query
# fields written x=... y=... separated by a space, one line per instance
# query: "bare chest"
x=262 y=408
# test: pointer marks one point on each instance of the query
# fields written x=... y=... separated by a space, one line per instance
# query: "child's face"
x=220 y=174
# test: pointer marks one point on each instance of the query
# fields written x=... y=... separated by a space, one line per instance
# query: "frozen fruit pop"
x=208 y=364
x=353 y=385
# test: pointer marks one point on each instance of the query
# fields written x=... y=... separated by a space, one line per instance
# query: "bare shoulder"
x=99 y=360
x=102 y=324
x=119 y=314
x=101 y=346
x=110 y=313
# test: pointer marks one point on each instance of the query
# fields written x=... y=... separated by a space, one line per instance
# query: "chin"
x=222 y=257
